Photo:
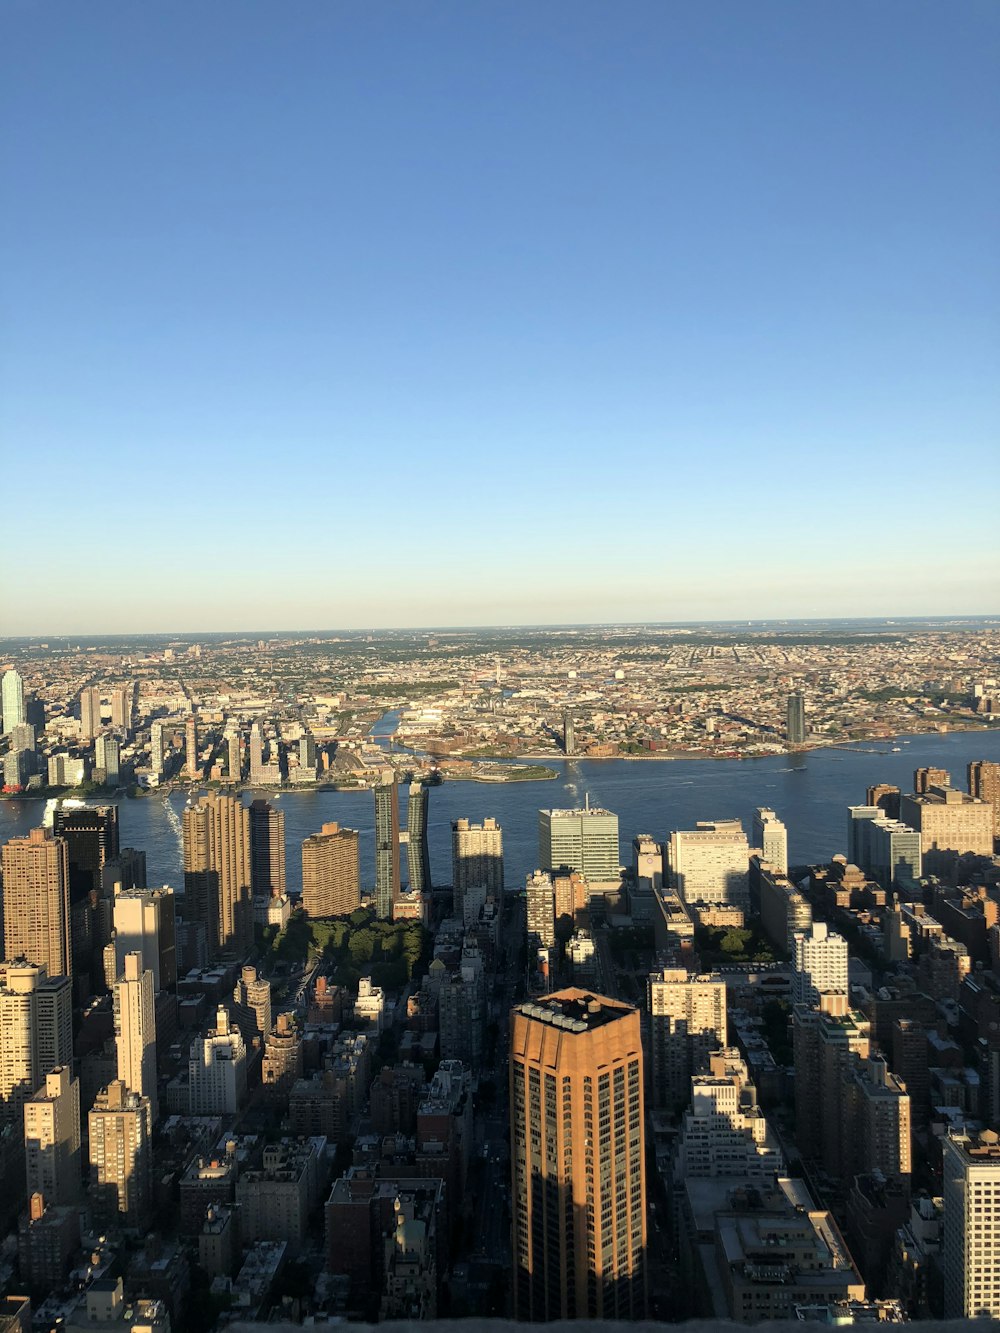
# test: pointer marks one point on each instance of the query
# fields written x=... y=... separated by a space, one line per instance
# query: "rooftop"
x=574 y=1010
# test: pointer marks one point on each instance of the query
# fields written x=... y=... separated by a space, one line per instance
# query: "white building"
x=821 y=964
x=585 y=840
x=135 y=1030
x=369 y=1007
x=218 y=1069
x=710 y=863
x=52 y=1138
x=724 y=1132
x=771 y=837
x=971 y=1169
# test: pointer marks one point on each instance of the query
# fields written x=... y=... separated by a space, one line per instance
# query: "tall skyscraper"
x=795 y=718
x=156 y=750
x=92 y=840
x=711 y=863
x=192 y=768
x=135 y=1030
x=541 y=910
x=267 y=850
x=36 y=923
x=926 y=778
x=417 y=852
x=331 y=872
x=121 y=1158
x=234 y=755
x=578 y=1179
x=217 y=873
x=252 y=1005
x=90 y=713
x=476 y=858
x=145 y=922
x=984 y=784
x=256 y=753
x=971 y=1171
x=107 y=759
x=121 y=707
x=569 y=735
x=52 y=1138
x=687 y=1023
x=771 y=836
x=12 y=700
x=387 y=868
x=584 y=840
x=36 y=1031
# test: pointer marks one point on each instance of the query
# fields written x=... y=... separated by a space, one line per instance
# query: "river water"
x=808 y=791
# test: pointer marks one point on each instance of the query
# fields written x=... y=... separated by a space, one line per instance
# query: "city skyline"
x=726 y=258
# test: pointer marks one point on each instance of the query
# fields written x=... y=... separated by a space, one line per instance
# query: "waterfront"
x=809 y=791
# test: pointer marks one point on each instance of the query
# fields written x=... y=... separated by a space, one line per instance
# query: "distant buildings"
x=577 y=1163
x=795 y=718
x=949 y=823
x=12 y=700
x=585 y=840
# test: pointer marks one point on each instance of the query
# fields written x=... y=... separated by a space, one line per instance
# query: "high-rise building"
x=821 y=964
x=121 y=707
x=387 y=869
x=828 y=1041
x=971 y=1171
x=569 y=735
x=135 y=1030
x=541 y=910
x=36 y=1032
x=12 y=700
x=217 y=873
x=52 y=1138
x=267 y=850
x=156 y=751
x=926 y=778
x=91 y=835
x=145 y=922
x=331 y=872
x=647 y=862
x=886 y=797
x=476 y=859
x=252 y=1005
x=192 y=768
x=984 y=784
x=417 y=852
x=234 y=755
x=107 y=759
x=217 y=1069
x=121 y=1158
x=949 y=823
x=888 y=851
x=710 y=863
x=687 y=1023
x=36 y=922
x=795 y=718
x=90 y=713
x=578 y=1178
x=771 y=836
x=23 y=737
x=584 y=840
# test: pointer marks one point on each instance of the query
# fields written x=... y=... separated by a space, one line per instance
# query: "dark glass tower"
x=386 y=845
x=417 y=855
x=91 y=833
x=796 y=718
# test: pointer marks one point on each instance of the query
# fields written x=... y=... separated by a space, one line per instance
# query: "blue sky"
x=334 y=314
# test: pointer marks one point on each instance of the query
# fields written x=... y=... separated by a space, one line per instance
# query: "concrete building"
x=984 y=784
x=135 y=1031
x=541 y=918
x=331 y=872
x=36 y=1032
x=217 y=1069
x=145 y=923
x=950 y=823
x=276 y=1197
x=771 y=838
x=48 y=1236
x=121 y=707
x=12 y=700
x=724 y=1132
x=283 y=1061
x=36 y=911
x=418 y=859
x=90 y=713
x=585 y=840
x=121 y=1158
x=687 y=1023
x=476 y=859
x=795 y=718
x=267 y=851
x=387 y=862
x=192 y=766
x=52 y=1139
x=217 y=892
x=578 y=1180
x=971 y=1172
x=784 y=910
x=107 y=759
x=710 y=863
x=157 y=751
x=821 y=964
x=828 y=1041
x=252 y=1005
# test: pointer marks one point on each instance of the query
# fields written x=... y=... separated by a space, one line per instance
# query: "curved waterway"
x=809 y=792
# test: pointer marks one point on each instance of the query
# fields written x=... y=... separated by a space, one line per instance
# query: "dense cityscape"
x=666 y=1075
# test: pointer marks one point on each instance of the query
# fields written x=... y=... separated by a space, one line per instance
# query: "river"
x=809 y=791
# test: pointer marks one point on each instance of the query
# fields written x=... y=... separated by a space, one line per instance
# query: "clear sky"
x=327 y=314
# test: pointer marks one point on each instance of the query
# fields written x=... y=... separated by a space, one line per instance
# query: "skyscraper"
x=135 y=1030
x=145 y=922
x=36 y=901
x=121 y=707
x=771 y=836
x=12 y=700
x=107 y=759
x=541 y=910
x=267 y=850
x=417 y=852
x=217 y=1069
x=192 y=768
x=795 y=718
x=156 y=753
x=234 y=755
x=121 y=1158
x=387 y=869
x=578 y=1180
x=331 y=872
x=711 y=863
x=90 y=713
x=52 y=1138
x=687 y=1023
x=971 y=1172
x=821 y=964
x=217 y=873
x=36 y=1031
x=476 y=858
x=984 y=784
x=584 y=840
x=92 y=840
